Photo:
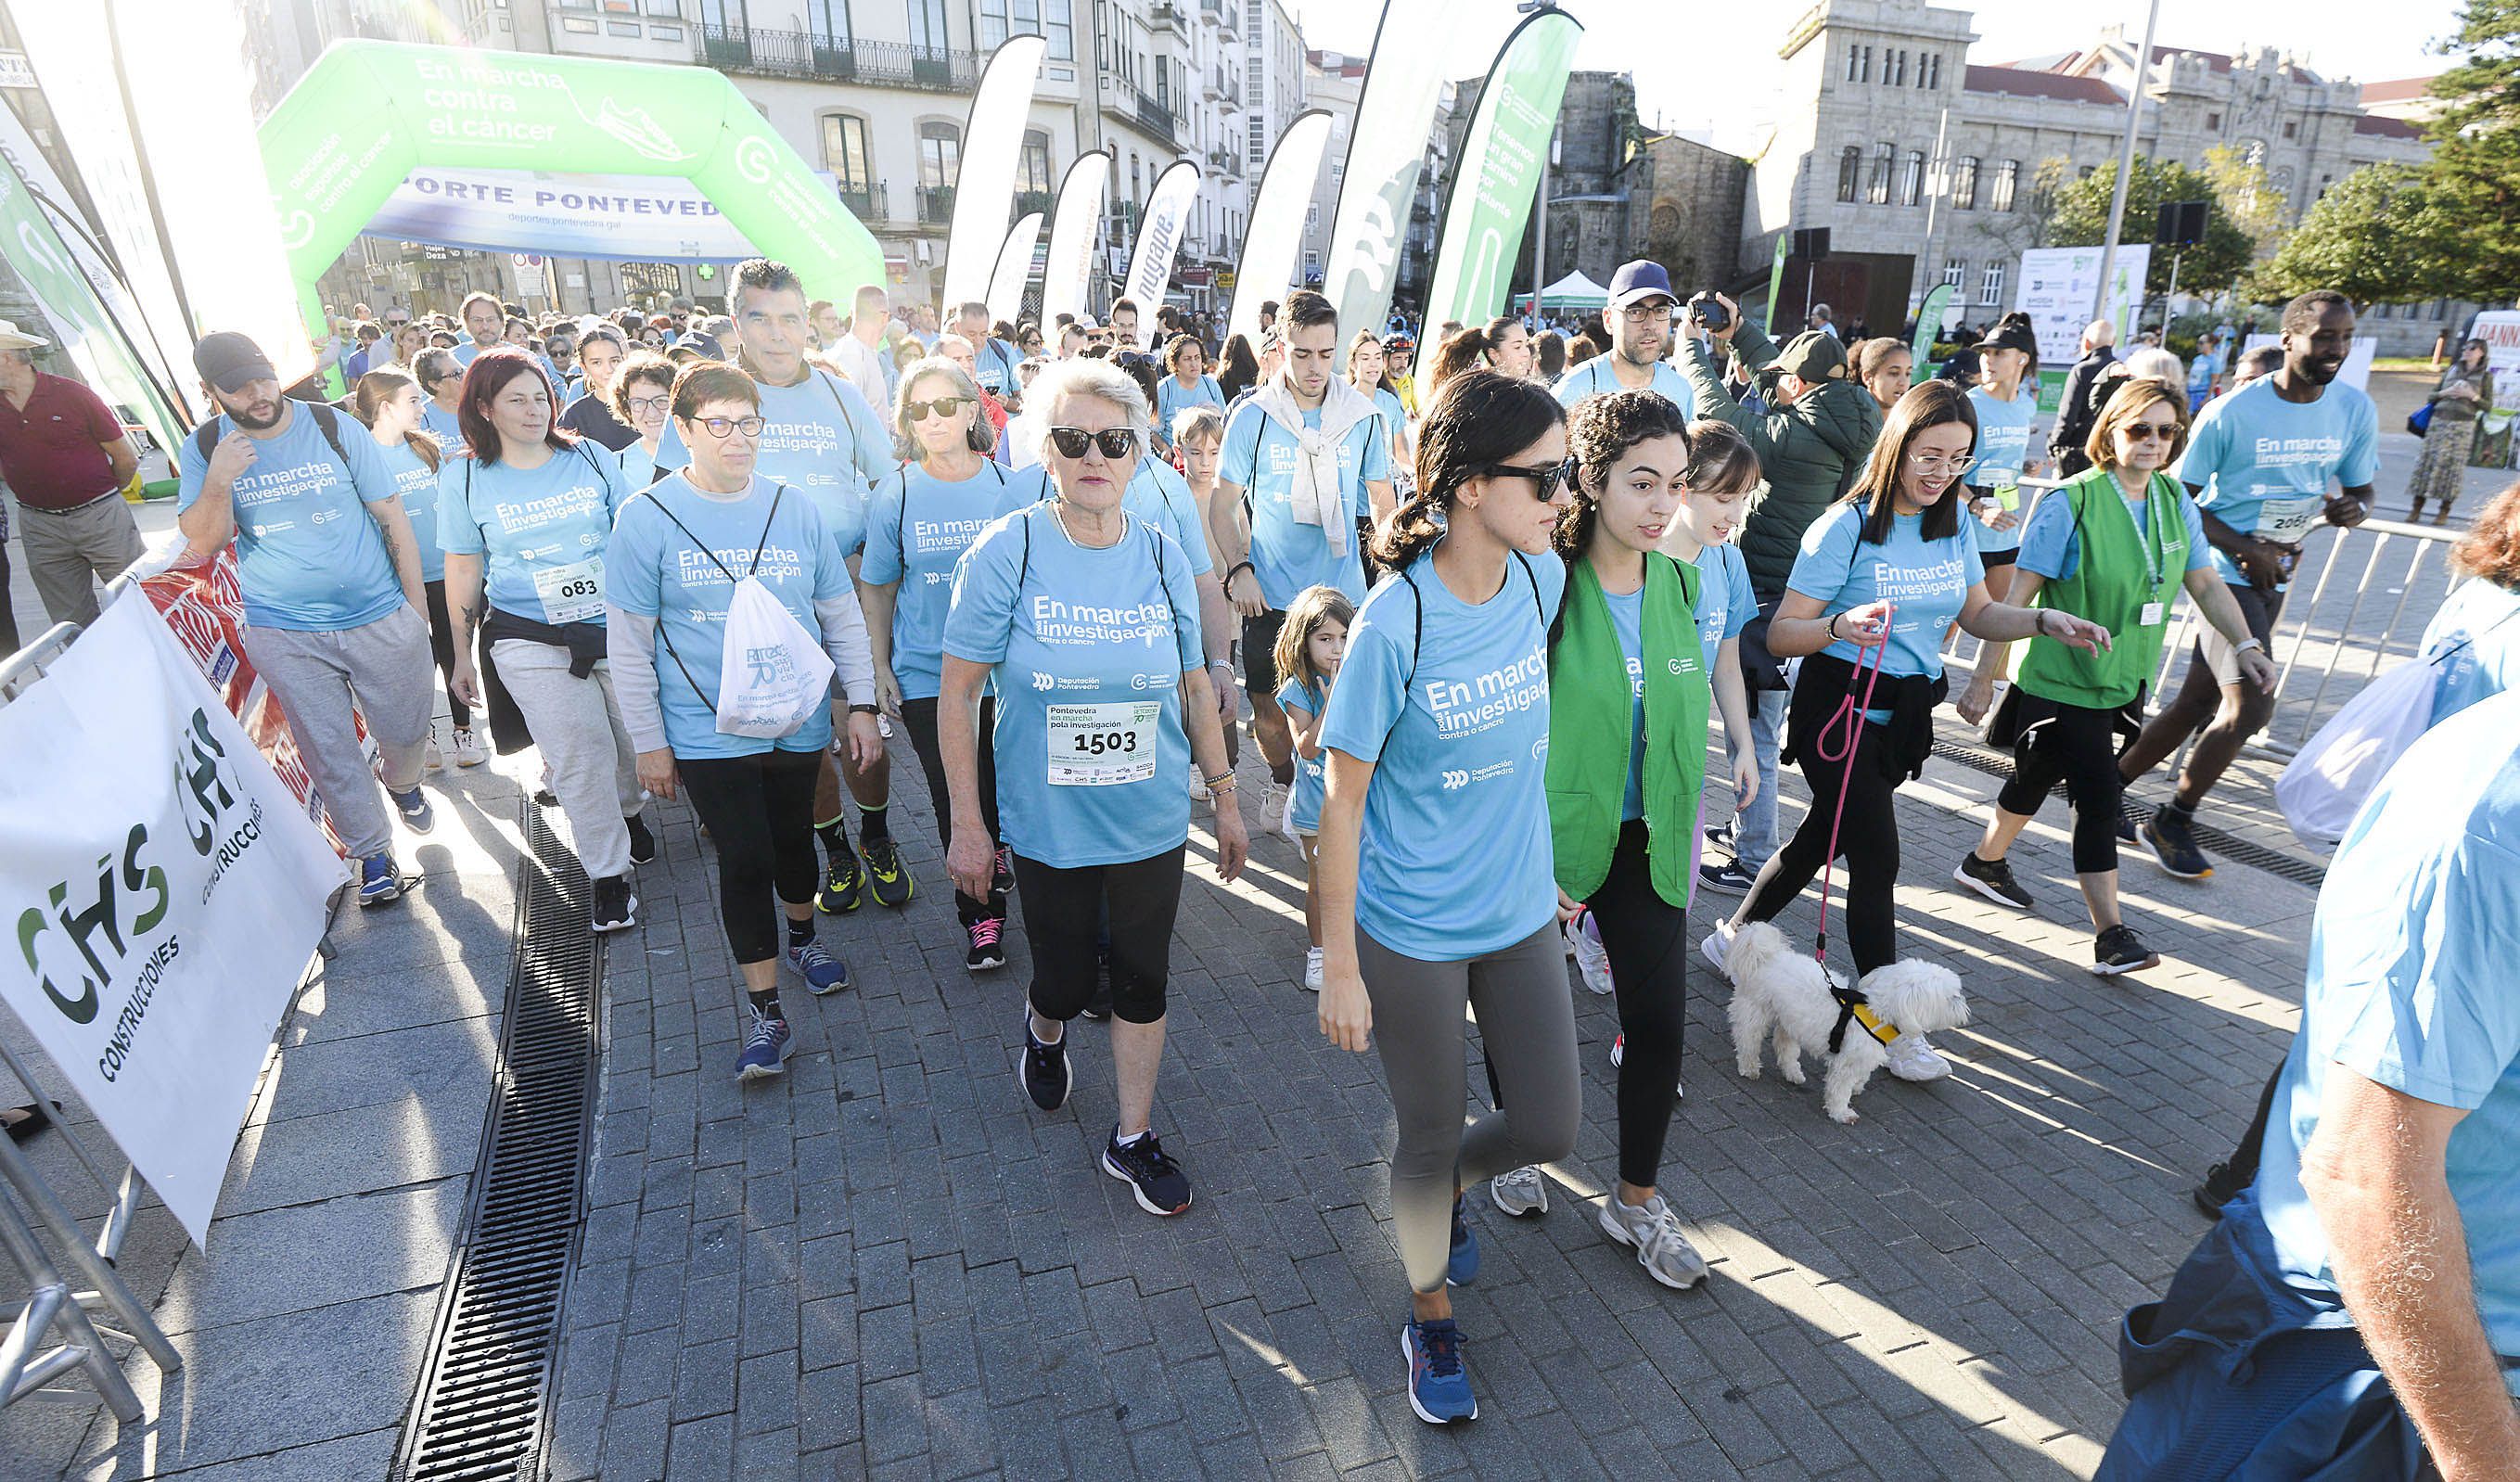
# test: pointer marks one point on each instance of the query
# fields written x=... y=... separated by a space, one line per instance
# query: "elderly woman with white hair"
x=921 y=519
x=1088 y=619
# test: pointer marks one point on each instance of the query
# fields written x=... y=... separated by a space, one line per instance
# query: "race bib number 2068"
x=1102 y=745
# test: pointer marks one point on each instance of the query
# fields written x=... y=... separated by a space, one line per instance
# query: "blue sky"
x=1718 y=77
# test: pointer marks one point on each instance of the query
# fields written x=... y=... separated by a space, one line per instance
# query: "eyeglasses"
x=942 y=406
x=749 y=427
x=1648 y=311
x=645 y=404
x=1544 y=480
x=1928 y=463
x=2145 y=432
x=1115 y=442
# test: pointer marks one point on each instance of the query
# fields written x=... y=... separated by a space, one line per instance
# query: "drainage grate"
x=2213 y=840
x=486 y=1389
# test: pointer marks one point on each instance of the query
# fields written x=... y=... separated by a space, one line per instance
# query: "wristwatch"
x=2247 y=644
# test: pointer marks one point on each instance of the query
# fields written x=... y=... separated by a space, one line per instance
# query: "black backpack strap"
x=649 y=494
x=206 y=437
x=777 y=490
x=331 y=430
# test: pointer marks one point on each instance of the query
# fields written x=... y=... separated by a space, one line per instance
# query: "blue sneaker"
x=379 y=879
x=1465 y=1262
x=765 y=1049
x=1439 y=1387
x=824 y=973
x=417 y=814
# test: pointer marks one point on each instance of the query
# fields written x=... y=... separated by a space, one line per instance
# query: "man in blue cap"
x=1640 y=317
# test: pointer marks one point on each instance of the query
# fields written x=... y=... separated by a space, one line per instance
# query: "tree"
x=2380 y=235
x=2242 y=193
x=2081 y=219
x=2475 y=169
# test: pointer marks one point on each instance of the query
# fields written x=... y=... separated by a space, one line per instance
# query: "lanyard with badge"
x=1099 y=744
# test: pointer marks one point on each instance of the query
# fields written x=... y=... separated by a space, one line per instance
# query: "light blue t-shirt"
x=541 y=531
x=309 y=555
x=1596 y=375
x=1088 y=648
x=1260 y=457
x=1311 y=773
x=1171 y=400
x=2003 y=447
x=2263 y=462
x=1726 y=602
x=994 y=362
x=417 y=482
x=441 y=424
x=918 y=527
x=2483 y=620
x=2053 y=547
x=1453 y=708
x=638 y=465
x=1628 y=621
x=819 y=437
x=2410 y=987
x=654 y=569
x=1928 y=580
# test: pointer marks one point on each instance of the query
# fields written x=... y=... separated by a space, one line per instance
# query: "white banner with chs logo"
x=161 y=891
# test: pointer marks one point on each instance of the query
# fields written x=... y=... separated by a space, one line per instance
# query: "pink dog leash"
x=1850 y=714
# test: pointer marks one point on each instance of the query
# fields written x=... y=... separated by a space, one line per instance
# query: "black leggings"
x=759 y=812
x=1867 y=839
x=919 y=717
x=1647 y=939
x=1063 y=911
x=2077 y=744
x=441 y=647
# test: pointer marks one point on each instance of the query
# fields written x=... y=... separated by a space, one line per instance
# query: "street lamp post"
x=2125 y=161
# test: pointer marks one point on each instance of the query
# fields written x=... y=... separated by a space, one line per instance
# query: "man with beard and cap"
x=333 y=602
x=2259 y=462
x=1639 y=318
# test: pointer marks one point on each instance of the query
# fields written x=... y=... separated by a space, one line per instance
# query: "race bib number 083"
x=1103 y=746
x=574 y=592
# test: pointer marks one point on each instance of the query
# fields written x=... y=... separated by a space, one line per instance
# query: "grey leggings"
x=1527 y=1024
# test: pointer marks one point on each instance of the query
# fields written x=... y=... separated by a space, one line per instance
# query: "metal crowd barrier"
x=2359 y=601
x=55 y=1307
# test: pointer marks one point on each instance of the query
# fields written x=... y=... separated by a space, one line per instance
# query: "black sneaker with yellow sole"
x=886 y=876
x=843 y=886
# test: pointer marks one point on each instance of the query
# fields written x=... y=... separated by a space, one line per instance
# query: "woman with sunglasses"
x=2116 y=545
x=441 y=380
x=678 y=551
x=1892 y=567
x=1437 y=735
x=919 y=521
x=1087 y=616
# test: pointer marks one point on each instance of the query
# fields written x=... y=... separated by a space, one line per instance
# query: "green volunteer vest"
x=1590 y=726
x=2122 y=569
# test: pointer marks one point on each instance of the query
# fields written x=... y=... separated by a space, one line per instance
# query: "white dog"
x=1781 y=993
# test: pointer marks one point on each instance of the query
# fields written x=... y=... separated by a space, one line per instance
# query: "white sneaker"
x=1913 y=1058
x=1285 y=814
x=1717 y=947
x=1519 y=1192
x=1313 y=969
x=1590 y=958
x=468 y=750
x=1653 y=1233
x=434 y=759
x=1198 y=784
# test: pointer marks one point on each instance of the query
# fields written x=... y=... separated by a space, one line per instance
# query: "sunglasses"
x=2145 y=432
x=1115 y=442
x=942 y=406
x=1544 y=480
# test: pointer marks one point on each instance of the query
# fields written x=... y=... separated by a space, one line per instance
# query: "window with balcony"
x=928 y=33
x=1990 y=288
x=829 y=20
x=1912 y=178
x=1964 y=184
x=725 y=33
x=1878 y=188
x=940 y=166
x=845 y=155
x=1850 y=172
x=2008 y=182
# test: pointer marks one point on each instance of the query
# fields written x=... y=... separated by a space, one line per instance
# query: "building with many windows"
x=1928 y=168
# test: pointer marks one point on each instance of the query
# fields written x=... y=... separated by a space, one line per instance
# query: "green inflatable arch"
x=368 y=111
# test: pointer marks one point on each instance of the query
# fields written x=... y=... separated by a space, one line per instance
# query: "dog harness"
x=1852 y=1006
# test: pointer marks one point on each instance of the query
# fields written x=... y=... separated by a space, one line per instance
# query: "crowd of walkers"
x=1486 y=627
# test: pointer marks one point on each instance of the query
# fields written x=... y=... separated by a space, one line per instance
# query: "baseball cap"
x=1637 y=280
x=231 y=361
x=2012 y=335
x=1812 y=356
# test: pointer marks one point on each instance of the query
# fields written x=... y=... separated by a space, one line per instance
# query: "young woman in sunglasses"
x=919 y=521
x=1088 y=618
x=1437 y=734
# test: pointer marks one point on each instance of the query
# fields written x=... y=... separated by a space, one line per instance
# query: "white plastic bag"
x=2326 y=783
x=771 y=675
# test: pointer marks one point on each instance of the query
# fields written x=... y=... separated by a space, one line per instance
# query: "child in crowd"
x=1309 y=647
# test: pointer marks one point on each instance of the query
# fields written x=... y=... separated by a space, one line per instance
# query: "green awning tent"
x=1572 y=292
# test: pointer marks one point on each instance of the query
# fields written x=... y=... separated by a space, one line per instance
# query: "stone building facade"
x=1925 y=168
